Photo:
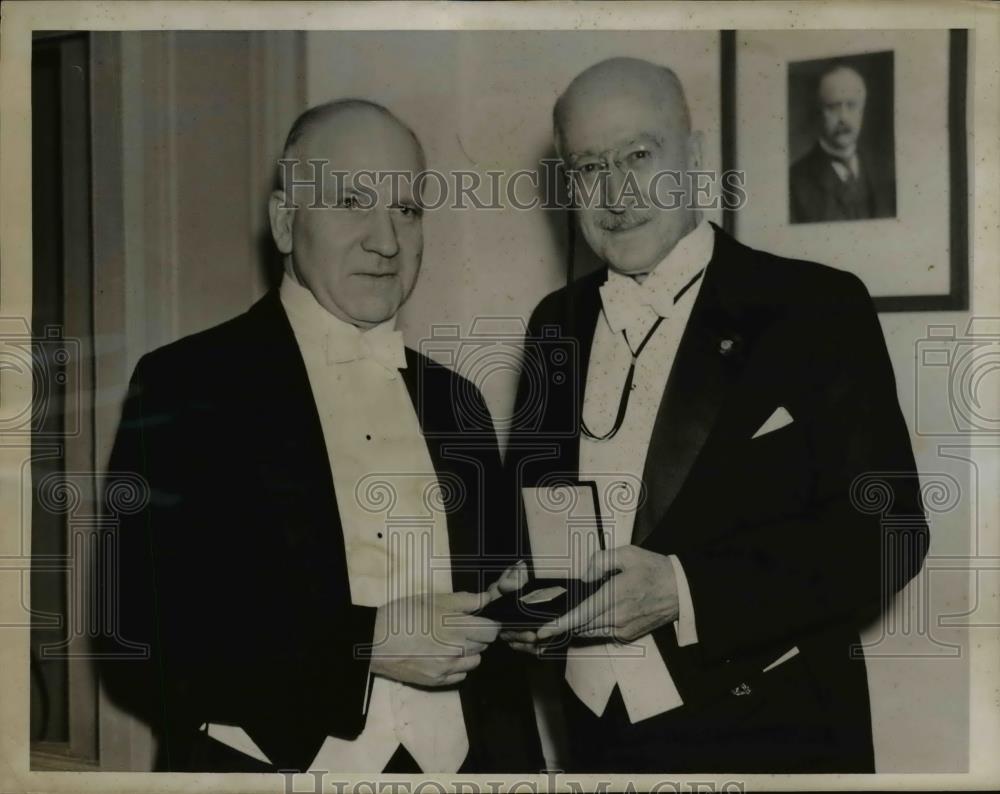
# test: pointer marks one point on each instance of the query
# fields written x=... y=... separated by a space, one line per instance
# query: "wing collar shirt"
x=630 y=309
x=394 y=547
x=846 y=166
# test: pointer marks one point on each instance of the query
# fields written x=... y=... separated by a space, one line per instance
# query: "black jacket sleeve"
x=208 y=598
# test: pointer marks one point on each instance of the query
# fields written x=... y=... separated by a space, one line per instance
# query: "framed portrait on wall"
x=853 y=150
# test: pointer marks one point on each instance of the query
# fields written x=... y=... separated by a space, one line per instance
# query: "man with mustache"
x=753 y=399
x=321 y=524
x=835 y=181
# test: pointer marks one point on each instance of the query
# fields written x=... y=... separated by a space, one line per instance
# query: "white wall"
x=483 y=100
x=920 y=683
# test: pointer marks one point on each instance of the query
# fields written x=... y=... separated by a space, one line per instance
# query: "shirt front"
x=395 y=538
x=630 y=311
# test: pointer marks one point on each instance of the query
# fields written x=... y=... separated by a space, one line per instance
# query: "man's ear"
x=695 y=152
x=282 y=215
x=570 y=183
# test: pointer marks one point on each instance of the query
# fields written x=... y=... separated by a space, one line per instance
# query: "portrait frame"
x=932 y=243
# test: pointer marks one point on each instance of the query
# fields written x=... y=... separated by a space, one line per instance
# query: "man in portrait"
x=836 y=180
x=319 y=530
x=753 y=398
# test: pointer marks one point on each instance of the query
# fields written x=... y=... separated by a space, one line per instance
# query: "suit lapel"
x=291 y=454
x=708 y=360
x=581 y=322
x=429 y=389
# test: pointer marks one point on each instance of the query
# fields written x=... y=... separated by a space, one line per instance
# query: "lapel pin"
x=730 y=345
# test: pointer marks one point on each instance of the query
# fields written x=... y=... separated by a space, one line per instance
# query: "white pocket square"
x=779 y=419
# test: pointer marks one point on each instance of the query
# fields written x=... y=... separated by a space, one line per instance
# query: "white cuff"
x=687 y=632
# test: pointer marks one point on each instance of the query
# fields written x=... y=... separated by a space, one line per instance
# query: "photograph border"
x=983 y=280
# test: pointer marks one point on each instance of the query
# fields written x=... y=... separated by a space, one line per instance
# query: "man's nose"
x=614 y=184
x=381 y=238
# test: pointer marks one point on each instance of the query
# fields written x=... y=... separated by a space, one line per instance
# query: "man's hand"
x=431 y=639
x=641 y=596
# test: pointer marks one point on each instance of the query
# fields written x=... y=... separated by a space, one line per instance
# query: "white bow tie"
x=627 y=306
x=383 y=347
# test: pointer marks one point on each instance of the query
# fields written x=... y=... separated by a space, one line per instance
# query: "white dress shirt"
x=617 y=463
x=396 y=542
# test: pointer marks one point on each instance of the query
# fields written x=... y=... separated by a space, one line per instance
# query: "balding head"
x=841 y=80
x=617 y=126
x=348 y=114
x=621 y=77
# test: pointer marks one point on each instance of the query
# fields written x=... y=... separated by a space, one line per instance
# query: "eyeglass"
x=635 y=157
